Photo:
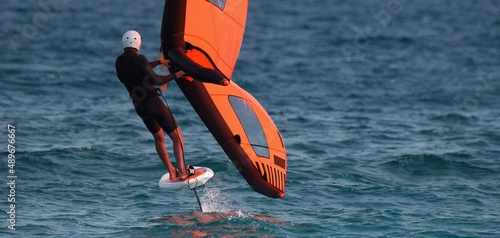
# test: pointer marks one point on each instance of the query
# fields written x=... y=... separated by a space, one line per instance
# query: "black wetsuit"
x=136 y=73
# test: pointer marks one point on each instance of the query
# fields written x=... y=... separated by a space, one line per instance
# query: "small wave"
x=453 y=117
x=432 y=165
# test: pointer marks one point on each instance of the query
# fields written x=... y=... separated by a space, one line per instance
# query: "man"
x=136 y=73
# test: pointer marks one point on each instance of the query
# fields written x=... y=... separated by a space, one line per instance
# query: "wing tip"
x=264 y=188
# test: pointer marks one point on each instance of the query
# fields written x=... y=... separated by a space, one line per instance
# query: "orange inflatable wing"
x=203 y=38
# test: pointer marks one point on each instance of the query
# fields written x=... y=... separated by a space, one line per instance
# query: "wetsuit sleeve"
x=154 y=63
x=150 y=74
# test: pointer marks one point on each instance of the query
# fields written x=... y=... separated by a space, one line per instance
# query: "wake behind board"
x=200 y=177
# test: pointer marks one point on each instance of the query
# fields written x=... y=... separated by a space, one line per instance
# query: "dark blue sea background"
x=389 y=111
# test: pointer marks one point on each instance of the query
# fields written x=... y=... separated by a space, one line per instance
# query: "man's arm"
x=163 y=79
x=154 y=78
x=154 y=63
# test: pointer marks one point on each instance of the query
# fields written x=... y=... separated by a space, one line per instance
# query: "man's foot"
x=182 y=176
x=173 y=175
x=189 y=171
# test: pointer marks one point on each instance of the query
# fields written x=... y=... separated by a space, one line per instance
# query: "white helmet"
x=131 y=39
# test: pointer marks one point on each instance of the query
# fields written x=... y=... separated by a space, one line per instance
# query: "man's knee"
x=159 y=136
x=176 y=135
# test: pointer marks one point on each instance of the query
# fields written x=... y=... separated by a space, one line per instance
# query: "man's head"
x=131 y=39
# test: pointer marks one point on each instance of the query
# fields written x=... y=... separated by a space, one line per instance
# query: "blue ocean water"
x=389 y=110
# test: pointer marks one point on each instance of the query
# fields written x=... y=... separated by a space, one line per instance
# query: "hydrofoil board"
x=200 y=177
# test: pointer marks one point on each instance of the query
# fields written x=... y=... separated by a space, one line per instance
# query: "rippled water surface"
x=389 y=111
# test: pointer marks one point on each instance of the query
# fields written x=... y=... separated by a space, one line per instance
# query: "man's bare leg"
x=178 y=145
x=162 y=153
